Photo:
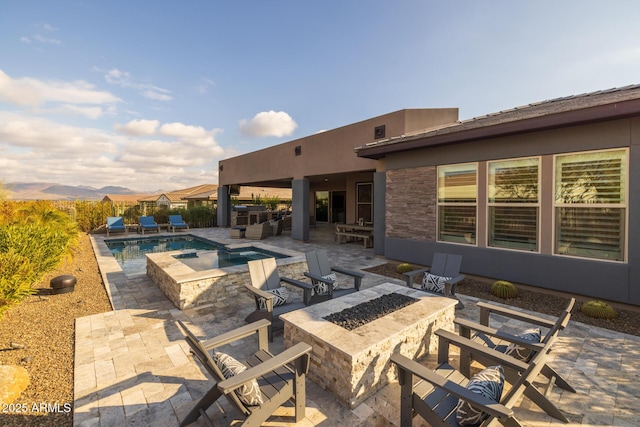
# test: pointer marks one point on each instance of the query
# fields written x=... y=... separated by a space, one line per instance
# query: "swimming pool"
x=205 y=255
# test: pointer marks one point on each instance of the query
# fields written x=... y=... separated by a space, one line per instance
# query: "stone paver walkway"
x=133 y=367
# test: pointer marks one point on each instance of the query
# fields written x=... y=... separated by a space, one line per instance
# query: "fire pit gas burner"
x=363 y=313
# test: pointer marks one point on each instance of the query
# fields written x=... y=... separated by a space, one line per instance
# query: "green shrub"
x=598 y=310
x=16 y=279
x=504 y=289
x=403 y=268
x=34 y=239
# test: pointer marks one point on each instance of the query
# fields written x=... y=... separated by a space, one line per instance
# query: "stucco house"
x=547 y=194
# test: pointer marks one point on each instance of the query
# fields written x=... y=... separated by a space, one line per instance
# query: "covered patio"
x=133 y=367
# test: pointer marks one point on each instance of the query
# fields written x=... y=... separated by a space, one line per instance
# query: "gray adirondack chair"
x=280 y=377
x=434 y=394
x=264 y=276
x=444 y=265
x=320 y=268
x=499 y=340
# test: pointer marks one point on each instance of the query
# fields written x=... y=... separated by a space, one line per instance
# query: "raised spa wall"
x=187 y=288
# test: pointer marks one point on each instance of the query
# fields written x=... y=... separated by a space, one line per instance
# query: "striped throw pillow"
x=489 y=382
x=282 y=297
x=514 y=350
x=248 y=393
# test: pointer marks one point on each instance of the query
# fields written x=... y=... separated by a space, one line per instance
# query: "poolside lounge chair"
x=176 y=222
x=436 y=394
x=444 y=272
x=115 y=223
x=258 y=231
x=271 y=379
x=324 y=279
x=148 y=223
x=515 y=344
x=271 y=300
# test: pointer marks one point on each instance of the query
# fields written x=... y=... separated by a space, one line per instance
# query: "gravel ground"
x=628 y=320
x=45 y=326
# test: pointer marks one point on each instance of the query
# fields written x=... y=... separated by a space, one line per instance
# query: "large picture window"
x=457 y=203
x=591 y=204
x=513 y=203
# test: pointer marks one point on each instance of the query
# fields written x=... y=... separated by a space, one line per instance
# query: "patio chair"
x=277 y=227
x=258 y=231
x=520 y=346
x=436 y=394
x=176 y=222
x=149 y=224
x=271 y=298
x=442 y=277
x=324 y=279
x=265 y=379
x=115 y=223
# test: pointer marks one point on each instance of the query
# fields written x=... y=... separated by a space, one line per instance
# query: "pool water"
x=130 y=253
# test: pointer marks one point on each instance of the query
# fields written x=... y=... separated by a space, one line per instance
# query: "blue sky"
x=151 y=94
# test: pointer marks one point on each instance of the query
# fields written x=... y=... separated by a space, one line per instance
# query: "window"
x=457 y=201
x=364 y=208
x=514 y=204
x=590 y=204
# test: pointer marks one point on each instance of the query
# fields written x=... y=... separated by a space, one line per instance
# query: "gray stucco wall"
x=615 y=281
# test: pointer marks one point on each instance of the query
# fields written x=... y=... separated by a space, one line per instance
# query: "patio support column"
x=224 y=206
x=300 y=209
x=379 y=211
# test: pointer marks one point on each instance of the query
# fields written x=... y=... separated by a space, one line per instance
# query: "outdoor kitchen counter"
x=355 y=364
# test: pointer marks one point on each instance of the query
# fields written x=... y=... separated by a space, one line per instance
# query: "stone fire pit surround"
x=355 y=364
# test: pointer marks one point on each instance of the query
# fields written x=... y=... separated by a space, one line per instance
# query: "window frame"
x=361 y=203
x=623 y=205
x=537 y=204
x=443 y=204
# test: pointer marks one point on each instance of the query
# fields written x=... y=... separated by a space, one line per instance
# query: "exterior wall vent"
x=298 y=150
x=379 y=132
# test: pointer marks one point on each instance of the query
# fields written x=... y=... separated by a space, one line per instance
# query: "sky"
x=150 y=95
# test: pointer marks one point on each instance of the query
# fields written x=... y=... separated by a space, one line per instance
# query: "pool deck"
x=133 y=367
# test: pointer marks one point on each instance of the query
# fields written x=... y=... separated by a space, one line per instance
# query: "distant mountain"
x=52 y=191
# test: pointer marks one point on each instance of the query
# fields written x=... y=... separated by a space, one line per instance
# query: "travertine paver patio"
x=133 y=367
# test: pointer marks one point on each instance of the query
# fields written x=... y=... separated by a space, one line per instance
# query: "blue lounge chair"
x=115 y=223
x=148 y=223
x=176 y=221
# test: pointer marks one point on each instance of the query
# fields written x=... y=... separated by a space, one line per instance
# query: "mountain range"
x=53 y=191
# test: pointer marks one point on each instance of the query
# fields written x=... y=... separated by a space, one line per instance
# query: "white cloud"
x=204 y=86
x=139 y=127
x=268 y=123
x=25 y=39
x=43 y=39
x=32 y=92
x=149 y=91
x=142 y=154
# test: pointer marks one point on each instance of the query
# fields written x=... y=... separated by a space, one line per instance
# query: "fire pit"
x=354 y=364
x=363 y=313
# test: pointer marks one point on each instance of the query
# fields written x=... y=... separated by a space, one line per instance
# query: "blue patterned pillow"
x=433 y=283
x=489 y=382
x=322 y=288
x=514 y=350
x=282 y=297
x=248 y=393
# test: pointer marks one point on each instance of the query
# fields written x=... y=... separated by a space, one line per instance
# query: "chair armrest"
x=231 y=336
x=487 y=405
x=318 y=278
x=456 y=279
x=307 y=288
x=351 y=273
x=282 y=359
x=486 y=309
x=447 y=338
x=408 y=276
x=467 y=327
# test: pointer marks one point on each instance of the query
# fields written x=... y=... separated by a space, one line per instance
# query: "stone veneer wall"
x=218 y=286
x=355 y=377
x=411 y=203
